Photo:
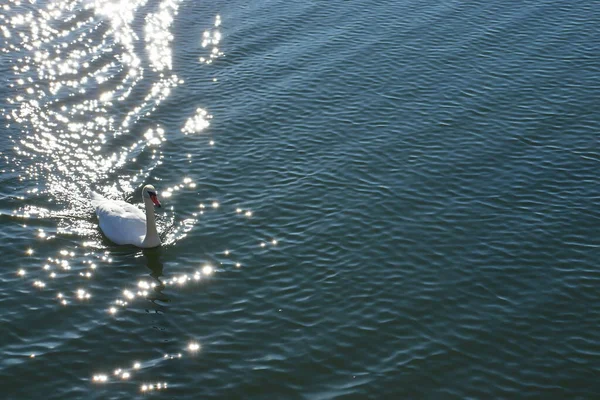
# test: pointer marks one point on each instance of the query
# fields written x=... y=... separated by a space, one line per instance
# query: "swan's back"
x=121 y=222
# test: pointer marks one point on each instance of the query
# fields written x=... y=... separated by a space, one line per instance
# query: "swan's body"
x=124 y=223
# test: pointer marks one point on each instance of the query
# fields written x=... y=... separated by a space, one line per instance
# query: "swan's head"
x=150 y=193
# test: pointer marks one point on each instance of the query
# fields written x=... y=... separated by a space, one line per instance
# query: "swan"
x=124 y=223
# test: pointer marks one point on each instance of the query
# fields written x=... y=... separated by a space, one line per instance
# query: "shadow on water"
x=156 y=266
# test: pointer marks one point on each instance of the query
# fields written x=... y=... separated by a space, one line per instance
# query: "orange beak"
x=154 y=199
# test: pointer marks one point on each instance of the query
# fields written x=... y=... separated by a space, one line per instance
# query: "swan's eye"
x=152 y=193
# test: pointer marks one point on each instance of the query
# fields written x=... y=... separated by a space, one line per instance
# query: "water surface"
x=362 y=199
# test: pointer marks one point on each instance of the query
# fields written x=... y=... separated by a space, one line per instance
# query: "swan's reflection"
x=154 y=263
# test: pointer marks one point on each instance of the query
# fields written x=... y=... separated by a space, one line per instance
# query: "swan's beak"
x=154 y=199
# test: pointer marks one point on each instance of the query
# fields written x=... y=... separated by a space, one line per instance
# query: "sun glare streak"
x=158 y=37
x=56 y=71
x=69 y=83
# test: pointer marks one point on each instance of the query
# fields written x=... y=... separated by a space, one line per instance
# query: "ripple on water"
x=426 y=170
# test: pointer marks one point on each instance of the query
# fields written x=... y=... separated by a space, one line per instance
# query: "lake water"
x=361 y=199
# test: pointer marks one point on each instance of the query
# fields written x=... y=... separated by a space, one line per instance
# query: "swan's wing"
x=121 y=222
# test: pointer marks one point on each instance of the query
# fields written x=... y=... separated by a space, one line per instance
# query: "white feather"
x=121 y=222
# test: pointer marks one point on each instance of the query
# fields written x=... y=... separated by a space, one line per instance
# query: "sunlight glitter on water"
x=101 y=378
x=199 y=122
x=124 y=373
x=67 y=101
x=75 y=75
x=143 y=288
x=65 y=143
x=193 y=347
x=152 y=386
x=211 y=38
x=158 y=36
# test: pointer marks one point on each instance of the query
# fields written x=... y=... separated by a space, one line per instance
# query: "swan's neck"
x=151 y=239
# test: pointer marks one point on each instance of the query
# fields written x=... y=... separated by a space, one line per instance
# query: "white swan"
x=124 y=223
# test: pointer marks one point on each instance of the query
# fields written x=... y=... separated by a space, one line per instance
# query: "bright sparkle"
x=197 y=123
x=100 y=378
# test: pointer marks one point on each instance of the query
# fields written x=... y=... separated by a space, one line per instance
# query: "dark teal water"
x=386 y=200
